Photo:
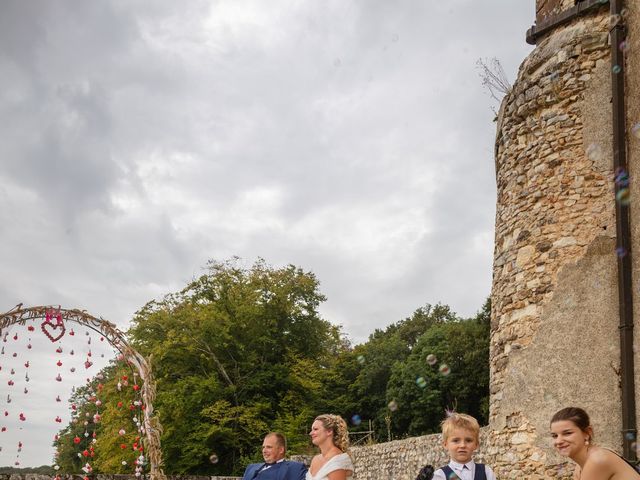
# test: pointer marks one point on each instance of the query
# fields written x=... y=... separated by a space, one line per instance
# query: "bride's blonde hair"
x=336 y=424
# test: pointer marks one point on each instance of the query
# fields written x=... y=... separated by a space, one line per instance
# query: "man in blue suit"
x=275 y=466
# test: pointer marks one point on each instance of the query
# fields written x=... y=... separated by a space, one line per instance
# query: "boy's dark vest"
x=479 y=475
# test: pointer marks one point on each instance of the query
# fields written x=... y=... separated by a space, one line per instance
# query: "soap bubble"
x=214 y=458
x=623 y=196
x=616 y=69
x=356 y=420
x=431 y=359
x=421 y=382
x=360 y=359
x=444 y=369
x=621 y=177
x=393 y=405
x=594 y=152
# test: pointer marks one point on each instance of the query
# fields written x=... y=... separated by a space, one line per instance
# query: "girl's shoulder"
x=602 y=456
x=606 y=460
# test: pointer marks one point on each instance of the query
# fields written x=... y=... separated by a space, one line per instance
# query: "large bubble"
x=623 y=196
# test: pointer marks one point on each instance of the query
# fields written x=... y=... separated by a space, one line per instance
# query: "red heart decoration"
x=47 y=325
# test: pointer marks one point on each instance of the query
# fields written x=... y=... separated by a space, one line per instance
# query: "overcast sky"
x=351 y=138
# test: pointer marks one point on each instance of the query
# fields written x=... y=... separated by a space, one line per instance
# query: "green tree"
x=447 y=369
x=364 y=371
x=236 y=352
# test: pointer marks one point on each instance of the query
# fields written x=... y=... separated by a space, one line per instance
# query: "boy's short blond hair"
x=460 y=420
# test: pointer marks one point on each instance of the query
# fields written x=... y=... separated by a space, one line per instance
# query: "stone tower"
x=563 y=274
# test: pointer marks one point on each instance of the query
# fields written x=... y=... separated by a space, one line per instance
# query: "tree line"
x=241 y=351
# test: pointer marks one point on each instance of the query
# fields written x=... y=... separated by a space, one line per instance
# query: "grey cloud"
x=353 y=139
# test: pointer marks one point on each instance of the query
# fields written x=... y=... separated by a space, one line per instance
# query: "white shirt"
x=464 y=473
x=270 y=465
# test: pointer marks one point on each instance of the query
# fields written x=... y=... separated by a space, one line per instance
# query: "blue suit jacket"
x=284 y=470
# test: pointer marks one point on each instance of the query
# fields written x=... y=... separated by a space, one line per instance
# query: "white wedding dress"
x=339 y=462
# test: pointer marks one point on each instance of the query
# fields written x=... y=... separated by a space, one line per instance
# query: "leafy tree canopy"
x=236 y=352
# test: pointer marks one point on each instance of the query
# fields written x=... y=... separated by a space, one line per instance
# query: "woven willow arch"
x=116 y=338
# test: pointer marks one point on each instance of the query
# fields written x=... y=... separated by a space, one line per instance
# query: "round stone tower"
x=560 y=262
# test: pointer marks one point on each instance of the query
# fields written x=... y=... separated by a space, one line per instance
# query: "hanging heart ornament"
x=54 y=331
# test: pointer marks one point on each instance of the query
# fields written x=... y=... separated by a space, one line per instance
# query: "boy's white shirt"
x=464 y=474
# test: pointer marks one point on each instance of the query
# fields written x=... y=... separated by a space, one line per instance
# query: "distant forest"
x=242 y=351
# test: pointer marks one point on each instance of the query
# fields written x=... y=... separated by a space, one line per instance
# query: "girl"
x=573 y=437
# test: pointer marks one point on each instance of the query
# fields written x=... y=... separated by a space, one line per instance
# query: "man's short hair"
x=280 y=439
x=460 y=420
x=425 y=473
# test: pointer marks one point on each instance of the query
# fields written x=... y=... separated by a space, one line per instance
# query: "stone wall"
x=396 y=460
x=403 y=459
x=555 y=340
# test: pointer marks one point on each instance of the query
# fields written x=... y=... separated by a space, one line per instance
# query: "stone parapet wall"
x=396 y=460
x=31 y=476
x=506 y=452
x=399 y=459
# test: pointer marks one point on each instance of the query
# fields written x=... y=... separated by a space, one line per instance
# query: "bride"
x=329 y=433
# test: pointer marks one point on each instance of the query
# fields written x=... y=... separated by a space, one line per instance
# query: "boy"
x=460 y=434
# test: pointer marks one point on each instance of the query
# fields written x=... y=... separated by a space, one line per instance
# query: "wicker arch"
x=20 y=315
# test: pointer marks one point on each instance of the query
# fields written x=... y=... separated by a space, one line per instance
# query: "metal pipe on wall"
x=623 y=232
